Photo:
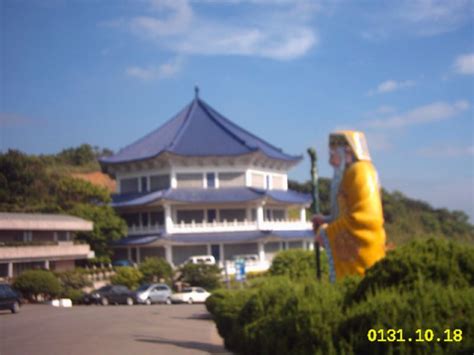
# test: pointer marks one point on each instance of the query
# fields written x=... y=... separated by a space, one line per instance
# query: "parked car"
x=122 y=262
x=201 y=259
x=248 y=258
x=9 y=299
x=106 y=295
x=153 y=293
x=190 y=295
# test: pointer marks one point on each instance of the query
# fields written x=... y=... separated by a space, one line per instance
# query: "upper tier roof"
x=197 y=131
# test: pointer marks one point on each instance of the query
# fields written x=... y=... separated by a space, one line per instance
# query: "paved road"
x=137 y=330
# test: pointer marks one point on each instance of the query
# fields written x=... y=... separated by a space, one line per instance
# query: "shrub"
x=76 y=296
x=447 y=262
x=33 y=283
x=278 y=315
x=73 y=279
x=154 y=269
x=298 y=263
x=207 y=276
x=127 y=276
x=427 y=306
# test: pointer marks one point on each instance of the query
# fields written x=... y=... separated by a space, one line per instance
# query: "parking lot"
x=156 y=329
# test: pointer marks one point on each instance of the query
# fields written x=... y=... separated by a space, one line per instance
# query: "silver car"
x=154 y=293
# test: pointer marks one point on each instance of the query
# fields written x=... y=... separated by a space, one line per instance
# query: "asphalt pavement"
x=137 y=330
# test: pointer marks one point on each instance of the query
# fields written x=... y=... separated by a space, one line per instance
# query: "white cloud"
x=437 y=111
x=418 y=18
x=446 y=152
x=390 y=85
x=464 y=64
x=278 y=30
x=163 y=71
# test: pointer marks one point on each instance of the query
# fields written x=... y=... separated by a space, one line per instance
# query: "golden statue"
x=353 y=235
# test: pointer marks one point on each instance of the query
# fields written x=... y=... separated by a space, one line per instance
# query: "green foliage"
x=278 y=315
x=406 y=219
x=127 y=276
x=441 y=261
x=207 y=276
x=297 y=264
x=108 y=227
x=425 y=305
x=73 y=279
x=32 y=184
x=33 y=283
x=154 y=269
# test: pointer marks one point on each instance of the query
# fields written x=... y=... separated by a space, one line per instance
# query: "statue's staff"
x=315 y=209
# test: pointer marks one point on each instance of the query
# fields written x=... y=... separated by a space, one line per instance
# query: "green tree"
x=127 y=276
x=207 y=276
x=154 y=269
x=33 y=283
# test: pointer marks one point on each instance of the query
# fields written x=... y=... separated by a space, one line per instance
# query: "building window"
x=159 y=182
x=62 y=236
x=144 y=219
x=211 y=216
x=232 y=214
x=144 y=184
x=187 y=216
x=211 y=180
x=231 y=179
x=128 y=185
x=132 y=219
x=157 y=218
x=189 y=180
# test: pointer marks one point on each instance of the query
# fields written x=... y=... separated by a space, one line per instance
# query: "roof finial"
x=196 y=91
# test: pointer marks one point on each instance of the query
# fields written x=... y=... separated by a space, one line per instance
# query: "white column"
x=311 y=245
x=208 y=249
x=261 y=251
x=248 y=178
x=129 y=253
x=139 y=257
x=46 y=264
x=168 y=219
x=303 y=214
x=169 y=254
x=260 y=216
x=221 y=253
x=174 y=182
x=10 y=270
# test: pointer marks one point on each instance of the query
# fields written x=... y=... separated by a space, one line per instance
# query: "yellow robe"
x=357 y=236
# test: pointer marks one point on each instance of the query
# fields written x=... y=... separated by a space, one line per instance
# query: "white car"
x=190 y=295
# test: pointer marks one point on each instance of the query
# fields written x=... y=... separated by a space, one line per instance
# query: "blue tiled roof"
x=137 y=240
x=227 y=195
x=197 y=130
x=219 y=237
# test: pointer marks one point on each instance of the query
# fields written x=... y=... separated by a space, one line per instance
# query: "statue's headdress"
x=354 y=139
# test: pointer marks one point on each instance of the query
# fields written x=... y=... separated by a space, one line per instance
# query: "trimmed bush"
x=436 y=260
x=279 y=315
x=426 y=306
x=33 y=283
x=154 y=269
x=207 y=276
x=297 y=264
x=127 y=276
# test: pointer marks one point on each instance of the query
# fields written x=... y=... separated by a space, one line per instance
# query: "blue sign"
x=240 y=270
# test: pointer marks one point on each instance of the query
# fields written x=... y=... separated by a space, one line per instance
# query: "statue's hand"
x=318 y=220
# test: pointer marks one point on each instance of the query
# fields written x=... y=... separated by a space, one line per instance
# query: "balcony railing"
x=224 y=226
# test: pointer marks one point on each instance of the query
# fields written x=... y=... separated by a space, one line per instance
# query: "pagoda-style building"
x=202 y=185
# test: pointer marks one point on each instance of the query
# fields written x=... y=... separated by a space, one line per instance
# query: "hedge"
x=280 y=315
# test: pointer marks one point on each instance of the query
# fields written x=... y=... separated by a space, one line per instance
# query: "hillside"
x=407 y=219
x=25 y=185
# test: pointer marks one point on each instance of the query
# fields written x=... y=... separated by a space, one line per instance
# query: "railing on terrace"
x=235 y=225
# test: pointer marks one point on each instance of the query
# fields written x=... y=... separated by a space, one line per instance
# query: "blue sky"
x=108 y=72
